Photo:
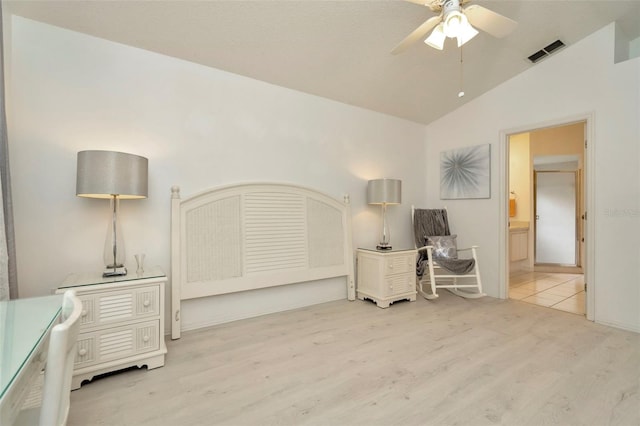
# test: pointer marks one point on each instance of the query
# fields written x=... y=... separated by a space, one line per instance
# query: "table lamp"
x=383 y=192
x=112 y=175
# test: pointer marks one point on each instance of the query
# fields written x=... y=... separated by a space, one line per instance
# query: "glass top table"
x=79 y=280
x=23 y=325
x=393 y=250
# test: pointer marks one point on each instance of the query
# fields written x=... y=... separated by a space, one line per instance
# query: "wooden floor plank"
x=444 y=362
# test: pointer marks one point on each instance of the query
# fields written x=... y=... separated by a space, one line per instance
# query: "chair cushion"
x=444 y=246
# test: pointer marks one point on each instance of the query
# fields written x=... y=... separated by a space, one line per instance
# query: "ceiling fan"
x=455 y=22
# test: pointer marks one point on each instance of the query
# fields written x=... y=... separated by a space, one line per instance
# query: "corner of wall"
x=6 y=51
x=625 y=48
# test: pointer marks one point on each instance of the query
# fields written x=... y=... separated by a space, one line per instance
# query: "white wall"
x=200 y=128
x=580 y=80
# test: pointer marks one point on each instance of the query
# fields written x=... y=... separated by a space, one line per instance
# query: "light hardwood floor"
x=449 y=361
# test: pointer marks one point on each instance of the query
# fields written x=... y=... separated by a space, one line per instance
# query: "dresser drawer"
x=399 y=264
x=114 y=306
x=399 y=284
x=116 y=343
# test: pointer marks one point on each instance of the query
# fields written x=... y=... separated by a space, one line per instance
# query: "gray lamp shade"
x=384 y=191
x=103 y=174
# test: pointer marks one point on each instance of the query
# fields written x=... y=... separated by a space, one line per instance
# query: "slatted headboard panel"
x=251 y=236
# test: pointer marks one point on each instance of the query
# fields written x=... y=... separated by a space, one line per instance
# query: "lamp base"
x=114 y=271
x=383 y=246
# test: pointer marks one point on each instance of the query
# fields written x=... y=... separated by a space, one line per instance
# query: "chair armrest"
x=468 y=248
x=429 y=250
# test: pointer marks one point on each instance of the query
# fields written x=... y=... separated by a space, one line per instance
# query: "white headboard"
x=251 y=236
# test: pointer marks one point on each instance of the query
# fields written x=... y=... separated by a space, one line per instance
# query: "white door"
x=555 y=204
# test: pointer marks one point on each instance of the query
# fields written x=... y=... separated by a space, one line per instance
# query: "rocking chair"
x=438 y=262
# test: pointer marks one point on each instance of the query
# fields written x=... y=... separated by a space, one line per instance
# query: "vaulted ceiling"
x=338 y=49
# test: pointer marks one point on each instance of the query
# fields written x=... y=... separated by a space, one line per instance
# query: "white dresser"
x=386 y=276
x=122 y=322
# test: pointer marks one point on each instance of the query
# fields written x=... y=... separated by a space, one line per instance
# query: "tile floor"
x=558 y=291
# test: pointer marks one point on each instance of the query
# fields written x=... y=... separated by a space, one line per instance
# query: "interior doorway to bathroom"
x=556 y=206
x=546 y=208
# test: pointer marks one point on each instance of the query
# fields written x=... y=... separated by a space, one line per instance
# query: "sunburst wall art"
x=466 y=173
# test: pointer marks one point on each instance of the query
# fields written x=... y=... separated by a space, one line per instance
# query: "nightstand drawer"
x=399 y=284
x=399 y=264
x=115 y=306
x=116 y=343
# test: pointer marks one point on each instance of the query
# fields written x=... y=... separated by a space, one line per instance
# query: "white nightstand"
x=122 y=322
x=386 y=276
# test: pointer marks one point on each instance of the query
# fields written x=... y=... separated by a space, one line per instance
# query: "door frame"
x=589 y=202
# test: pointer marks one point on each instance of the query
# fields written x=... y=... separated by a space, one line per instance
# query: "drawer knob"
x=84 y=313
x=82 y=352
x=146 y=303
x=391 y=266
x=145 y=339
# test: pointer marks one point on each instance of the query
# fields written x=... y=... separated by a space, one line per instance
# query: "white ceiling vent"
x=546 y=51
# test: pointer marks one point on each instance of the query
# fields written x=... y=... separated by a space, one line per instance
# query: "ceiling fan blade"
x=420 y=2
x=489 y=21
x=417 y=34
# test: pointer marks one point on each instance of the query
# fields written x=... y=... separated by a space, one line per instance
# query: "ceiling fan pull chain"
x=461 y=92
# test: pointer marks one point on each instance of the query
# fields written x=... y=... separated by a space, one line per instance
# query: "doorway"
x=556 y=217
x=545 y=233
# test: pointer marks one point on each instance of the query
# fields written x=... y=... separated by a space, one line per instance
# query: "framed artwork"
x=466 y=173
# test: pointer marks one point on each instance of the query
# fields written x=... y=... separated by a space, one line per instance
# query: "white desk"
x=24 y=337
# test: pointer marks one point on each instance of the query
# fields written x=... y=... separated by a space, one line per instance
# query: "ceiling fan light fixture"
x=453 y=22
x=436 y=39
x=466 y=33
